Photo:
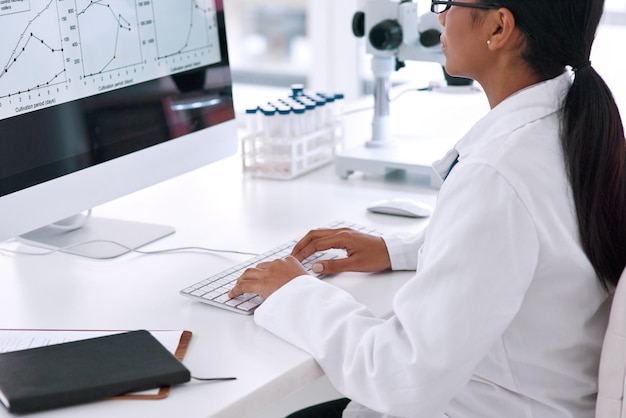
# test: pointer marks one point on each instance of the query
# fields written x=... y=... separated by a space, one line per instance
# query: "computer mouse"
x=401 y=207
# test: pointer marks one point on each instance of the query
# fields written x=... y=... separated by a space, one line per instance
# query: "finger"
x=246 y=282
x=335 y=266
x=264 y=265
x=339 y=239
x=265 y=281
x=244 y=285
x=306 y=240
x=301 y=246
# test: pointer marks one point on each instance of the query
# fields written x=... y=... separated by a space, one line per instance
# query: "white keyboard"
x=214 y=290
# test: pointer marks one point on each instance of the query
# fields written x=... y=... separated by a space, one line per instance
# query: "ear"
x=502 y=30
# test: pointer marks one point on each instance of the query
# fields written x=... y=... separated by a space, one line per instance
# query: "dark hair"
x=560 y=33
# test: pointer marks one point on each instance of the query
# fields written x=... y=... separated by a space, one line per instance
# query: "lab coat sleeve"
x=476 y=264
x=403 y=249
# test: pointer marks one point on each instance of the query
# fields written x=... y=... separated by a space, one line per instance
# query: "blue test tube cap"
x=289 y=101
x=283 y=110
x=319 y=101
x=280 y=107
x=328 y=97
x=297 y=90
x=308 y=103
x=268 y=110
x=298 y=108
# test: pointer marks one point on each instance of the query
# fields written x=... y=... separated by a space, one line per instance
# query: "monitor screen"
x=100 y=99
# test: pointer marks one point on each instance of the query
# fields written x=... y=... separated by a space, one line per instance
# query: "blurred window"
x=268 y=42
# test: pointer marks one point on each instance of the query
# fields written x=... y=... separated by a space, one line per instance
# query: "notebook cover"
x=86 y=370
x=164 y=391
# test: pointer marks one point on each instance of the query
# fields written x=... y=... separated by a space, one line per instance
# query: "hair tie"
x=586 y=64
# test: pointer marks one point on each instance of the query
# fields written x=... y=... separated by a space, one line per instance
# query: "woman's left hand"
x=266 y=278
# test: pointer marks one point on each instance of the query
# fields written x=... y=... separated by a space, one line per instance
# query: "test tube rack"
x=291 y=136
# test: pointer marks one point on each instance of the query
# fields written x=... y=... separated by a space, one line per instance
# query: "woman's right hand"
x=366 y=253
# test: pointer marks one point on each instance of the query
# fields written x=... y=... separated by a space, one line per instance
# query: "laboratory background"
x=279 y=42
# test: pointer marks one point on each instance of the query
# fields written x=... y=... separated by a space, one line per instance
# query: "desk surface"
x=216 y=207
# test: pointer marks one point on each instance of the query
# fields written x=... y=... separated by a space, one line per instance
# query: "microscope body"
x=394 y=33
x=394 y=29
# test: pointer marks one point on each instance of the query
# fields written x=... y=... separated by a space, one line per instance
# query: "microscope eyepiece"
x=386 y=35
x=430 y=37
x=358 y=24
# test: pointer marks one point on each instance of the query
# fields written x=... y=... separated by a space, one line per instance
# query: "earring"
x=489 y=42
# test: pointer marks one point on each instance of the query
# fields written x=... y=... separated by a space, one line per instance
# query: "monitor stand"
x=97 y=237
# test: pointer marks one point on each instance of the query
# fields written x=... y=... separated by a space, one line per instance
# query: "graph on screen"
x=56 y=51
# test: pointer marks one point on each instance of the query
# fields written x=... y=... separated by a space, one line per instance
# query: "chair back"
x=612 y=374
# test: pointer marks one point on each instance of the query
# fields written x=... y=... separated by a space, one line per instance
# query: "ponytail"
x=560 y=33
x=592 y=137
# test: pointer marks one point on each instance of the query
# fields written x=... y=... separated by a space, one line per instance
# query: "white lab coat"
x=504 y=317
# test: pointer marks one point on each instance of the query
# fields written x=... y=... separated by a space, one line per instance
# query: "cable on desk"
x=432 y=86
x=213 y=379
x=128 y=250
x=363 y=109
x=403 y=92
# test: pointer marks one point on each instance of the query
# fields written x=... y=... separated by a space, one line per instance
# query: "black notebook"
x=87 y=370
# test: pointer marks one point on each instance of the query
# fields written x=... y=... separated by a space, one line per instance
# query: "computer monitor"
x=101 y=99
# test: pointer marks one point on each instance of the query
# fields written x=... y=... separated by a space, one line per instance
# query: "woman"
x=506 y=313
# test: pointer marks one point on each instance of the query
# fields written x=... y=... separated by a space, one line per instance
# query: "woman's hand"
x=366 y=253
x=268 y=277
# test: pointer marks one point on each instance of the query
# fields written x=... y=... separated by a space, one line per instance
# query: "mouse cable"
x=369 y=107
x=125 y=247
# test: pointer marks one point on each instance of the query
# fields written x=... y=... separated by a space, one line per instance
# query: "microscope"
x=394 y=33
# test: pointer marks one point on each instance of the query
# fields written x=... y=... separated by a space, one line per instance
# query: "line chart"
x=36 y=41
x=57 y=51
x=195 y=25
x=116 y=44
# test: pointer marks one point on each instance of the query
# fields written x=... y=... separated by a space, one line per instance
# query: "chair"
x=612 y=375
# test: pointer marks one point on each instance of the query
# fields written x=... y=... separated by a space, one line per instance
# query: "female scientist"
x=506 y=313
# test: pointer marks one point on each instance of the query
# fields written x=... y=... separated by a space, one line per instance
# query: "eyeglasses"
x=442 y=6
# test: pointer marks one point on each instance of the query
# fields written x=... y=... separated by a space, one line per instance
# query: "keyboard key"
x=248 y=306
x=222 y=298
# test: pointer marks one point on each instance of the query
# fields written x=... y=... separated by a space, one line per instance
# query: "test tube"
x=328 y=121
x=330 y=108
x=339 y=105
x=309 y=115
x=252 y=120
x=338 y=110
x=267 y=125
x=298 y=125
x=320 y=111
x=283 y=128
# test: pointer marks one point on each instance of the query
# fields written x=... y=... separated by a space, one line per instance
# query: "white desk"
x=217 y=207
